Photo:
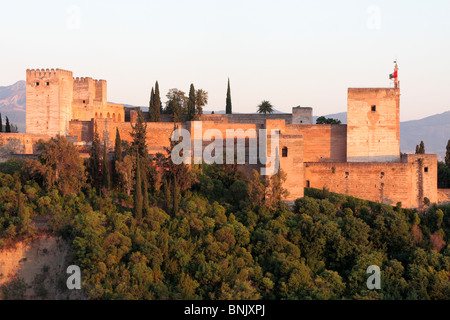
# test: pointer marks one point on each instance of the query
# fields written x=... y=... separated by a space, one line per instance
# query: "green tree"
x=105 y=168
x=138 y=199
x=176 y=195
x=7 y=126
x=323 y=120
x=176 y=104
x=191 y=103
x=139 y=135
x=60 y=164
x=93 y=166
x=151 y=105
x=447 y=155
x=420 y=149
x=265 y=107
x=228 y=108
x=201 y=100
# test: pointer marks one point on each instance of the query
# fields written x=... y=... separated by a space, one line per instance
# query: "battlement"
x=47 y=73
x=82 y=80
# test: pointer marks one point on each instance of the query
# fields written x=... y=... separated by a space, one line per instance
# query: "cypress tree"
x=94 y=160
x=176 y=195
x=421 y=148
x=146 y=205
x=105 y=172
x=7 y=126
x=228 y=108
x=166 y=195
x=139 y=135
x=447 y=155
x=157 y=105
x=118 y=147
x=1 y=123
x=138 y=201
x=117 y=156
x=151 y=105
x=191 y=103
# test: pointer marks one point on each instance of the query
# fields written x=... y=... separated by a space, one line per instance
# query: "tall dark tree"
x=139 y=135
x=420 y=149
x=167 y=195
x=118 y=147
x=447 y=155
x=1 y=123
x=157 y=104
x=117 y=157
x=106 y=181
x=138 y=199
x=228 y=108
x=7 y=126
x=93 y=166
x=151 y=105
x=176 y=195
x=191 y=103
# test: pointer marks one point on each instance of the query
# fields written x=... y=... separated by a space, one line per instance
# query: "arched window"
x=114 y=117
x=96 y=115
x=284 y=152
x=101 y=115
x=108 y=116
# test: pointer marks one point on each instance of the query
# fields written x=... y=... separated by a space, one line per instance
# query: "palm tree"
x=265 y=107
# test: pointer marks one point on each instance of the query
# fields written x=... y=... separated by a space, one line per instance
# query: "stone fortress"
x=361 y=158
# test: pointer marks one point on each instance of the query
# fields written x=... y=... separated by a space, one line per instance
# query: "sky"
x=291 y=53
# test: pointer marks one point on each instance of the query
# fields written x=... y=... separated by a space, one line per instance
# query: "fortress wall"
x=321 y=142
x=81 y=129
x=20 y=143
x=381 y=182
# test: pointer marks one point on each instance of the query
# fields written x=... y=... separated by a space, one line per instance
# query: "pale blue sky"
x=288 y=52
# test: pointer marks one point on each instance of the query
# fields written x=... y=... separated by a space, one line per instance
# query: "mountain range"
x=434 y=130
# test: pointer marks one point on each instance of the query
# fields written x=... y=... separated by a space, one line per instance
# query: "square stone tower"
x=49 y=95
x=373 y=125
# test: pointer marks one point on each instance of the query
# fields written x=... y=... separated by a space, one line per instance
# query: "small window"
x=47 y=83
x=374 y=108
x=284 y=152
x=84 y=101
x=308 y=184
x=37 y=83
x=346 y=175
x=382 y=174
x=425 y=169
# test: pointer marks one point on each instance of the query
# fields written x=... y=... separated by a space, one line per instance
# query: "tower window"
x=84 y=101
x=382 y=174
x=37 y=83
x=284 y=152
x=308 y=184
x=47 y=83
x=425 y=169
x=374 y=108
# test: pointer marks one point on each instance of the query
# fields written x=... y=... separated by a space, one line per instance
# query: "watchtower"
x=49 y=96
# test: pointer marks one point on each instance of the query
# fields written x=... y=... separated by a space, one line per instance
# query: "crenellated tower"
x=49 y=95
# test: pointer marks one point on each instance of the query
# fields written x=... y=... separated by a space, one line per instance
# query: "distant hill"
x=433 y=130
x=12 y=104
